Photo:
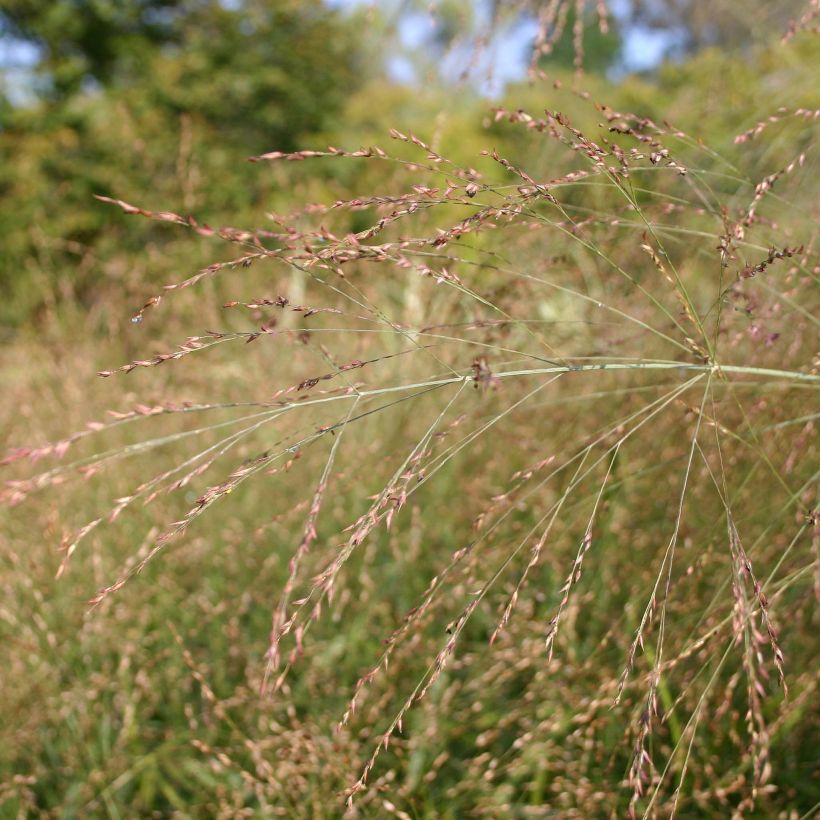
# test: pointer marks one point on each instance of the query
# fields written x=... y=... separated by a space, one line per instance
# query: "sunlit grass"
x=506 y=502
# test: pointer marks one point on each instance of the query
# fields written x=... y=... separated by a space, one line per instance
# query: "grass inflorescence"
x=505 y=499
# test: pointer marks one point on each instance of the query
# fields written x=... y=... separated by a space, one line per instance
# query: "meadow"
x=470 y=470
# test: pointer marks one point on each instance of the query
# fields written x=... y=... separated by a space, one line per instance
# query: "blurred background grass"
x=149 y=704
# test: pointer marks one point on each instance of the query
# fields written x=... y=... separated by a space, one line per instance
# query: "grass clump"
x=497 y=479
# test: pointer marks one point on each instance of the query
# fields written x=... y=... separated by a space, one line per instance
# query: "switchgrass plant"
x=502 y=504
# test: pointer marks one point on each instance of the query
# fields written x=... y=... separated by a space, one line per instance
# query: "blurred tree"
x=598 y=48
x=92 y=39
x=264 y=71
x=697 y=24
x=152 y=100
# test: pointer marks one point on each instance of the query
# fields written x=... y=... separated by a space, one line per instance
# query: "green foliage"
x=274 y=69
x=599 y=49
x=263 y=75
x=100 y=40
x=182 y=110
x=724 y=24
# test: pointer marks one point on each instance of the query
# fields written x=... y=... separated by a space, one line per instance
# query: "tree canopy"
x=122 y=93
